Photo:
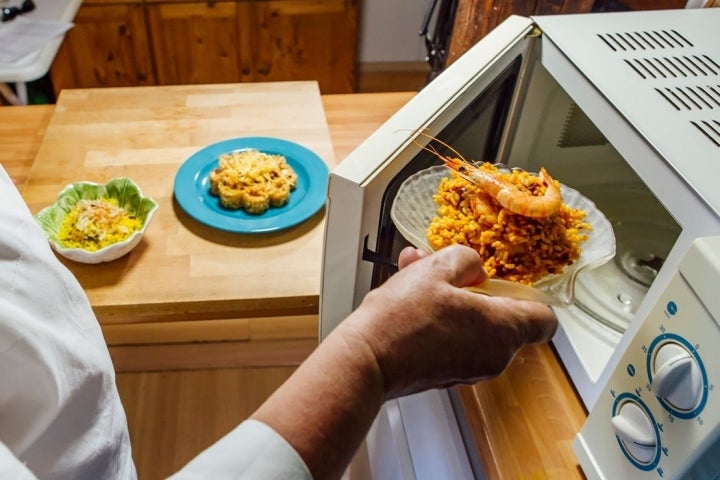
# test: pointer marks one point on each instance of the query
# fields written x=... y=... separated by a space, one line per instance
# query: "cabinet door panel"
x=107 y=47
x=306 y=40
x=197 y=43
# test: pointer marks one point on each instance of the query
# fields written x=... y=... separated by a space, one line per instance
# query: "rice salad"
x=95 y=224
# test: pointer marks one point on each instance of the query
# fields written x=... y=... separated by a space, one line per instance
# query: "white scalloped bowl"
x=414 y=209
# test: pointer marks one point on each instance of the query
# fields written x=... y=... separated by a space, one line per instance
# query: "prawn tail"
x=553 y=195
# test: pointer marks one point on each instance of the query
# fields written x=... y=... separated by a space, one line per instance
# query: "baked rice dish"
x=252 y=180
x=513 y=246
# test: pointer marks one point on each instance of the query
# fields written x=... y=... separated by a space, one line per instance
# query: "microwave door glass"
x=466 y=106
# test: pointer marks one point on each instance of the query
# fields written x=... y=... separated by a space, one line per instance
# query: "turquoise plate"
x=192 y=187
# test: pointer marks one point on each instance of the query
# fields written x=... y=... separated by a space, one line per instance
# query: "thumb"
x=459 y=265
x=409 y=255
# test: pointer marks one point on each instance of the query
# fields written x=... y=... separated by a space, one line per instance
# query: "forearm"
x=325 y=409
x=420 y=330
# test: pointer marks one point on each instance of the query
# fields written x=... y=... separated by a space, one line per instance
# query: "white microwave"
x=625 y=108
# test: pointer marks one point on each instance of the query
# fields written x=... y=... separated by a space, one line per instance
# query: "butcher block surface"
x=146 y=134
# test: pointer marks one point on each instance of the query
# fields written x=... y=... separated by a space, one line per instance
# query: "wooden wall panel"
x=307 y=40
x=107 y=47
x=195 y=43
x=177 y=42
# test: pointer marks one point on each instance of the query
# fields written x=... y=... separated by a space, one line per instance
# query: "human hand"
x=426 y=331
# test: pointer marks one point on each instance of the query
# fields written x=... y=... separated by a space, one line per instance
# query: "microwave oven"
x=625 y=108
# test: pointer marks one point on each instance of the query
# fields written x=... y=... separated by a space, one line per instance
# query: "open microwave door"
x=484 y=82
x=469 y=105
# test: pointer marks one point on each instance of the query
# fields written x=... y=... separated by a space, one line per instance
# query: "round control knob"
x=676 y=377
x=635 y=429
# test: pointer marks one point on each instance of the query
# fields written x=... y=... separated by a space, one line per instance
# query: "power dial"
x=635 y=429
x=677 y=377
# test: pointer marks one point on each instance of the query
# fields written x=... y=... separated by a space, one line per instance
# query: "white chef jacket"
x=60 y=412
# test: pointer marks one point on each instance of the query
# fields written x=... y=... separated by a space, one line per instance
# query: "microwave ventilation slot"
x=685 y=66
x=692 y=97
x=684 y=78
x=711 y=129
x=645 y=40
x=579 y=131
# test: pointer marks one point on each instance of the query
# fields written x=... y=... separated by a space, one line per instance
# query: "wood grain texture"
x=182 y=268
x=199 y=42
x=21 y=133
x=158 y=42
x=475 y=18
x=306 y=40
x=392 y=76
x=352 y=118
x=523 y=422
x=173 y=416
x=107 y=47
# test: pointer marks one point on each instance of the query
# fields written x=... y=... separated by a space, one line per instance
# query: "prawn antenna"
x=433 y=150
x=430 y=149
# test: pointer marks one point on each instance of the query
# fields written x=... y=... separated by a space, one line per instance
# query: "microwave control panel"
x=658 y=415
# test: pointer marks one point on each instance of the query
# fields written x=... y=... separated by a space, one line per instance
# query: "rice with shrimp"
x=513 y=247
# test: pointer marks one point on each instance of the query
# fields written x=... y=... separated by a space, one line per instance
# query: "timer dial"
x=635 y=429
x=677 y=378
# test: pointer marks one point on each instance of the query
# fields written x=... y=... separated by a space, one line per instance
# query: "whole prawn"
x=504 y=192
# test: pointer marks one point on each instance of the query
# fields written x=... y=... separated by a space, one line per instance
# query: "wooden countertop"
x=523 y=422
x=184 y=268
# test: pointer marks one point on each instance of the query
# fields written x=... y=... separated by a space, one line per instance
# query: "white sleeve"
x=60 y=412
x=252 y=450
x=11 y=467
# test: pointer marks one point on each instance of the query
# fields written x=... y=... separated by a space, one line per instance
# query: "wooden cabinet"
x=199 y=42
x=306 y=40
x=256 y=41
x=161 y=42
x=107 y=47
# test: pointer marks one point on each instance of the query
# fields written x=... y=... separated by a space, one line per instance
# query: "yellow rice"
x=513 y=247
x=95 y=224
